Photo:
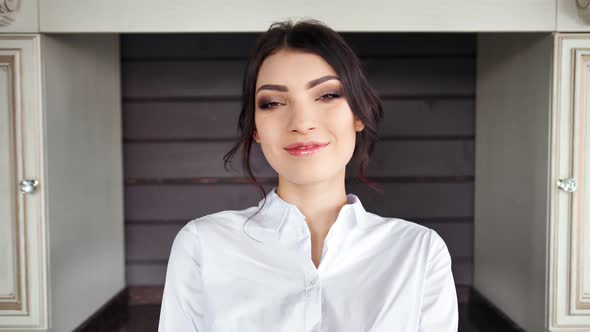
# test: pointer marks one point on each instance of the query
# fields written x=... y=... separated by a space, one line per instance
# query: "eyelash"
x=334 y=96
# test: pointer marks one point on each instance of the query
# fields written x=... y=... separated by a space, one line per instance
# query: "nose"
x=303 y=118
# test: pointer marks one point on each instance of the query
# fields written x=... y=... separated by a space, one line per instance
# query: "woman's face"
x=299 y=99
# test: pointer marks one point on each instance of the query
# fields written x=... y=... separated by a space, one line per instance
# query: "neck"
x=319 y=202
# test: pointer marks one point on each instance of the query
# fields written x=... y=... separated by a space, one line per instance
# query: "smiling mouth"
x=306 y=150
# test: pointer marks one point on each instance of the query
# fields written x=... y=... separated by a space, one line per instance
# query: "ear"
x=358 y=124
x=255 y=135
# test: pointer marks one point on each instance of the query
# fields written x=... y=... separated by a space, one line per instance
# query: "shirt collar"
x=276 y=212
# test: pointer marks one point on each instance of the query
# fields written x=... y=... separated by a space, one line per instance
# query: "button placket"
x=313 y=298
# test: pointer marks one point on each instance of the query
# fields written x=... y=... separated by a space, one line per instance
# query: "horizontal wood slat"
x=349 y=180
x=155 y=274
x=238 y=45
x=210 y=120
x=399 y=77
x=391 y=158
x=153 y=294
x=418 y=220
x=398 y=200
x=457 y=236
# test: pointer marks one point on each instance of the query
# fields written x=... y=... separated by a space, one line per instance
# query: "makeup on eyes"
x=265 y=102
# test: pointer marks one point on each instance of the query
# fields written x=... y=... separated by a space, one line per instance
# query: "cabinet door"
x=569 y=263
x=23 y=291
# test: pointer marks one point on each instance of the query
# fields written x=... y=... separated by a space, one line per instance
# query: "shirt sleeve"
x=182 y=301
x=439 y=305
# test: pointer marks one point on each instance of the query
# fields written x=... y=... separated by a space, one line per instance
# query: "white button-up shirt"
x=375 y=274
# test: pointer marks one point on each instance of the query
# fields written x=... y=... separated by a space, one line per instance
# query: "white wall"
x=82 y=106
x=511 y=174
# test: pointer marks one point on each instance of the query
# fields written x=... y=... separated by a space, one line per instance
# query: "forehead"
x=292 y=68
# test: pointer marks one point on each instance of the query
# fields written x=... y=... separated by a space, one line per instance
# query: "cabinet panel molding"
x=11 y=225
x=580 y=249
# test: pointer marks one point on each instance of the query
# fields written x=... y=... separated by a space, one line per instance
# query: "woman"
x=308 y=257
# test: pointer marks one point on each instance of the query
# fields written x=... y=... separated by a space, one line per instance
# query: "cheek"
x=262 y=128
x=346 y=135
x=269 y=135
x=270 y=127
x=344 y=124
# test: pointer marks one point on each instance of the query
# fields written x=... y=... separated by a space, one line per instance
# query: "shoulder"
x=407 y=231
x=219 y=221
x=198 y=232
x=434 y=245
x=398 y=226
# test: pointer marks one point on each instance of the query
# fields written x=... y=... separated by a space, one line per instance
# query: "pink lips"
x=305 y=149
x=305 y=144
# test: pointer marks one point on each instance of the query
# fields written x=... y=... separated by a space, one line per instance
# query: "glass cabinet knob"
x=28 y=186
x=568 y=185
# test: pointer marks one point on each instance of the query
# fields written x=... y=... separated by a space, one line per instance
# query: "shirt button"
x=313 y=281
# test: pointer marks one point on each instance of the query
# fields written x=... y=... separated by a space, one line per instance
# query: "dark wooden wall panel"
x=391 y=158
x=181 y=100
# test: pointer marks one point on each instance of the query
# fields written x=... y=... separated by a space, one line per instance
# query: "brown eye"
x=267 y=105
x=330 y=96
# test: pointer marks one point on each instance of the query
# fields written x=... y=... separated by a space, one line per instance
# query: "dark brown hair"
x=311 y=36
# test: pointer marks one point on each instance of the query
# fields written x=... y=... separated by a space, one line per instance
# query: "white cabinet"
x=23 y=258
x=569 y=278
x=61 y=240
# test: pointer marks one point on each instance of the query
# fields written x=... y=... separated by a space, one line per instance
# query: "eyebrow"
x=309 y=85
